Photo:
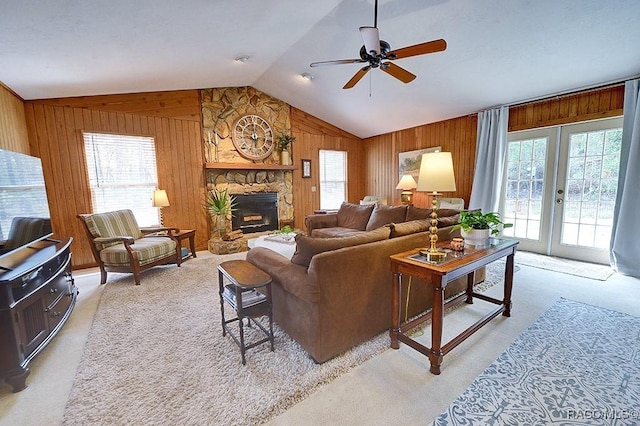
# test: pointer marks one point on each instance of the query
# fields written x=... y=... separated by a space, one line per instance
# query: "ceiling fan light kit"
x=374 y=51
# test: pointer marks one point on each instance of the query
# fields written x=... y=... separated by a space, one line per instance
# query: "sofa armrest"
x=315 y=221
x=293 y=278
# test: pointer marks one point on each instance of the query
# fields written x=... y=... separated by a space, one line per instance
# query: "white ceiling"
x=499 y=51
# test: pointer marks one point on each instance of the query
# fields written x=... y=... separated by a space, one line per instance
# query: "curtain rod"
x=583 y=89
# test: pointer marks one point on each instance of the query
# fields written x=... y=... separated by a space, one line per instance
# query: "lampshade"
x=160 y=198
x=406 y=182
x=436 y=172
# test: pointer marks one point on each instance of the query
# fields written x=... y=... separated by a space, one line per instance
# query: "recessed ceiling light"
x=242 y=59
x=307 y=76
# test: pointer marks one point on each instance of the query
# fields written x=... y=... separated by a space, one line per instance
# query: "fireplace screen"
x=255 y=212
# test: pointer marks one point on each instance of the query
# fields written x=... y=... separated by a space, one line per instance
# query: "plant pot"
x=220 y=223
x=285 y=158
x=476 y=237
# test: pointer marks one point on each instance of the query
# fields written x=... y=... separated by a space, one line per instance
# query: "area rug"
x=576 y=364
x=565 y=266
x=155 y=355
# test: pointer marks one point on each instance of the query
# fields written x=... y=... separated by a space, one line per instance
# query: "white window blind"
x=333 y=179
x=122 y=174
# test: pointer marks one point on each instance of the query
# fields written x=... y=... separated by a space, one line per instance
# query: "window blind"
x=122 y=174
x=333 y=179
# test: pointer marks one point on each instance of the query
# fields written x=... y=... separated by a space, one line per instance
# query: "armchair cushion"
x=26 y=229
x=148 y=249
x=113 y=224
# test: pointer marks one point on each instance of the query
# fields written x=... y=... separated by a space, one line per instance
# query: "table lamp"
x=436 y=174
x=407 y=183
x=160 y=200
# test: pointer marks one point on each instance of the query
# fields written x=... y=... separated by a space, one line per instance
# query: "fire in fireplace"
x=255 y=212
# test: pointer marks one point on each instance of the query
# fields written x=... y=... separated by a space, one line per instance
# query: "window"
x=333 y=179
x=122 y=174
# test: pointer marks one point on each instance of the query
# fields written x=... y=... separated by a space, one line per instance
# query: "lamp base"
x=433 y=255
x=406 y=197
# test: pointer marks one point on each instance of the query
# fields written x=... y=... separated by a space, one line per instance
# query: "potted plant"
x=476 y=227
x=282 y=145
x=220 y=205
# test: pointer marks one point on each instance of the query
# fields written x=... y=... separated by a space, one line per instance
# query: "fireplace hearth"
x=255 y=212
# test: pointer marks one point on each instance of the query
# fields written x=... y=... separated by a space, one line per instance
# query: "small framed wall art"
x=306 y=168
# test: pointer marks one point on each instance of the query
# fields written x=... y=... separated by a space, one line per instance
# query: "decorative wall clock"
x=252 y=136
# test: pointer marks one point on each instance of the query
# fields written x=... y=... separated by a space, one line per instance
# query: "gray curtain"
x=625 y=238
x=491 y=150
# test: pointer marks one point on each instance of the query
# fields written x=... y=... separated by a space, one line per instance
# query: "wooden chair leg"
x=103 y=275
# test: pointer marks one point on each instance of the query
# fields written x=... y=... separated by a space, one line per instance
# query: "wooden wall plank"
x=14 y=135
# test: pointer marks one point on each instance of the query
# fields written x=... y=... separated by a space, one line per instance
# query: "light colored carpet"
x=565 y=266
x=165 y=335
x=576 y=364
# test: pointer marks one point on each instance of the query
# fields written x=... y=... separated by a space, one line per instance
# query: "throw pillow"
x=354 y=216
x=307 y=247
x=384 y=215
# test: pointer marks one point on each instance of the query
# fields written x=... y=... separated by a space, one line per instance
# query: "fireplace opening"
x=255 y=212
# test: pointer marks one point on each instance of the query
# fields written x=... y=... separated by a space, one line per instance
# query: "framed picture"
x=306 y=168
x=409 y=161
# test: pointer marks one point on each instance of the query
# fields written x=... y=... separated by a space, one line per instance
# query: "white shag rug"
x=155 y=355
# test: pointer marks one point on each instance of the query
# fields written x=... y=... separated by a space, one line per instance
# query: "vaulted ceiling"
x=498 y=52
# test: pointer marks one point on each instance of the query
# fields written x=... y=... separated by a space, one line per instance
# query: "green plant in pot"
x=220 y=205
x=476 y=227
x=282 y=145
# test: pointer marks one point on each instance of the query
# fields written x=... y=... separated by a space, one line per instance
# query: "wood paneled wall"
x=55 y=128
x=312 y=135
x=457 y=136
x=589 y=105
x=13 y=124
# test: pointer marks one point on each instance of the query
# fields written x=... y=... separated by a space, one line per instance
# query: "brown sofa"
x=336 y=292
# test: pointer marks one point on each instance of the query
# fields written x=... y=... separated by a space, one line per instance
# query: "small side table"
x=243 y=296
x=181 y=235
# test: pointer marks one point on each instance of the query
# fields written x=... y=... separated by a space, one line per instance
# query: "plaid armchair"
x=118 y=244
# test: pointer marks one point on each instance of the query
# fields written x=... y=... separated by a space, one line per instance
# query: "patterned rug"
x=565 y=266
x=576 y=364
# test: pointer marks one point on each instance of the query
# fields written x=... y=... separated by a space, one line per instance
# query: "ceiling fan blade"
x=371 y=38
x=337 y=62
x=397 y=72
x=418 y=49
x=356 y=78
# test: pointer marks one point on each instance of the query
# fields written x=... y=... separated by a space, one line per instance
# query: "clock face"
x=252 y=137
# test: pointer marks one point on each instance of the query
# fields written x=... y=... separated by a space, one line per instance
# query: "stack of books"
x=249 y=297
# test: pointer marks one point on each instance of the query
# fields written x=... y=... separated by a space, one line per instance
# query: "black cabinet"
x=37 y=295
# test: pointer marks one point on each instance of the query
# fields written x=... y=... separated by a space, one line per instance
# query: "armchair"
x=118 y=244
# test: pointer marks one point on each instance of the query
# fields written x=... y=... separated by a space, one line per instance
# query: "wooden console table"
x=439 y=274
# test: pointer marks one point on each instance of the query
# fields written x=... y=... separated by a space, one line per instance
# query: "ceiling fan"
x=375 y=51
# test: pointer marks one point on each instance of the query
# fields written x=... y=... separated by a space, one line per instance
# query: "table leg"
x=395 y=310
x=470 y=279
x=437 y=313
x=508 y=285
x=192 y=244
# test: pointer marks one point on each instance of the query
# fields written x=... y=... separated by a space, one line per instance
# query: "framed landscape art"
x=409 y=161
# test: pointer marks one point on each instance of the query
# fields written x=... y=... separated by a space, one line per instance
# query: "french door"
x=560 y=188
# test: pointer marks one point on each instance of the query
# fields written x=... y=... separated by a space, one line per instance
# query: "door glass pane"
x=591 y=187
x=526 y=163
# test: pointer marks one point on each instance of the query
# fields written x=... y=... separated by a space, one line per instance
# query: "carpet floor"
x=565 y=266
x=576 y=364
x=165 y=335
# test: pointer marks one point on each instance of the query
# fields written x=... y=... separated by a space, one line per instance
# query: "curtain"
x=491 y=151
x=625 y=245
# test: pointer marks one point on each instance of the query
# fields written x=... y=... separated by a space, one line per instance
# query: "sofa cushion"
x=307 y=247
x=384 y=215
x=354 y=216
x=334 y=232
x=446 y=217
x=407 y=228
